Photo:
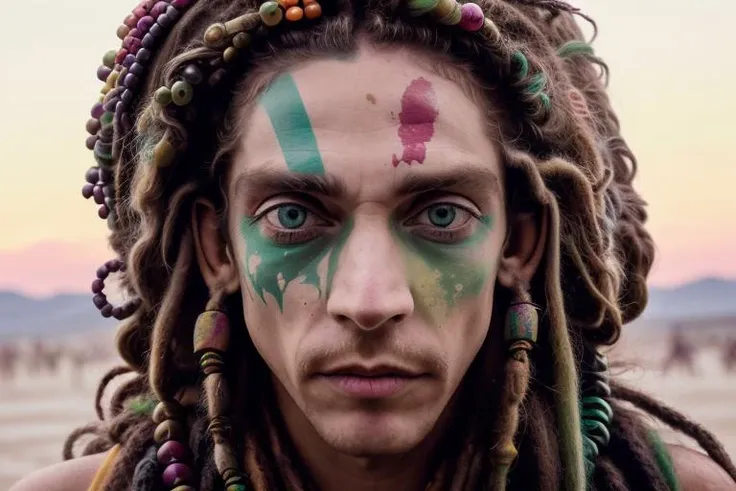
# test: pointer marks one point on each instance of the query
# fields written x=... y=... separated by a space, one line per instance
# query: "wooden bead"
x=313 y=10
x=294 y=14
x=421 y=7
x=168 y=430
x=230 y=54
x=444 y=8
x=211 y=332
x=241 y=40
x=218 y=395
x=454 y=17
x=215 y=35
x=164 y=411
x=225 y=458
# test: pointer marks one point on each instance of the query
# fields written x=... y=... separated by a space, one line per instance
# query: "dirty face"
x=367 y=217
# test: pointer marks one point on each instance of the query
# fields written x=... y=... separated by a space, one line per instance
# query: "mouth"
x=376 y=382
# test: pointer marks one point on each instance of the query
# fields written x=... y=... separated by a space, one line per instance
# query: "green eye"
x=441 y=215
x=292 y=216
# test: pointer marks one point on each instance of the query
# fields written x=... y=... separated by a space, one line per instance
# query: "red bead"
x=120 y=57
x=140 y=12
x=176 y=474
x=171 y=452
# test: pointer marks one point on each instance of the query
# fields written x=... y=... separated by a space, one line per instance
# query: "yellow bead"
x=168 y=430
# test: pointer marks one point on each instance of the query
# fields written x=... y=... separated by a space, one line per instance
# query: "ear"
x=216 y=263
x=524 y=248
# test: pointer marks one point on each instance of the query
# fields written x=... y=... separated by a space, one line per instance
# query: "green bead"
x=594 y=402
x=421 y=7
x=109 y=59
x=106 y=118
x=595 y=414
x=163 y=96
x=271 y=13
x=596 y=431
x=181 y=93
x=590 y=449
x=236 y=487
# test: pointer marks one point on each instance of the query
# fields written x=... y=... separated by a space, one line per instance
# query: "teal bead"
x=596 y=431
x=590 y=448
x=182 y=93
x=236 y=487
x=107 y=118
x=595 y=414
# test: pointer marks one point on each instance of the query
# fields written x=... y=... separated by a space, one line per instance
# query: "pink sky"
x=676 y=111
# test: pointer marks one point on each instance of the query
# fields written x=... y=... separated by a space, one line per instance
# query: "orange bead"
x=307 y=2
x=313 y=10
x=289 y=3
x=294 y=14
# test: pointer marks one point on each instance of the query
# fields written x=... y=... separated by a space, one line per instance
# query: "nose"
x=369 y=288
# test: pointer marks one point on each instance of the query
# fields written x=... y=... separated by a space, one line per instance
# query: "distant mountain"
x=706 y=298
x=22 y=316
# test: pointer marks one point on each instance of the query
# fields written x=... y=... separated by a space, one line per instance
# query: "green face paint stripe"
x=292 y=126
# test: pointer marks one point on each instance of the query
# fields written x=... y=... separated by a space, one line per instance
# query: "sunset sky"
x=673 y=73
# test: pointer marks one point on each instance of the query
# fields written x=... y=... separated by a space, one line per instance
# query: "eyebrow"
x=263 y=181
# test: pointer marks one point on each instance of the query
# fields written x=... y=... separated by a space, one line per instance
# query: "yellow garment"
x=104 y=471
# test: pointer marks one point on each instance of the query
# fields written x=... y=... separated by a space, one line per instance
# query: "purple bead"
x=106 y=133
x=158 y=9
x=171 y=452
x=136 y=33
x=103 y=212
x=98 y=286
x=88 y=190
x=181 y=4
x=135 y=45
x=175 y=474
x=129 y=60
x=110 y=105
x=90 y=142
x=103 y=72
x=137 y=69
x=164 y=21
x=99 y=195
x=117 y=313
x=156 y=30
x=131 y=81
x=143 y=55
x=172 y=13
x=92 y=175
x=145 y=23
x=106 y=175
x=106 y=311
x=148 y=40
x=127 y=97
x=100 y=300
x=102 y=272
x=114 y=265
x=97 y=111
x=472 y=17
x=192 y=74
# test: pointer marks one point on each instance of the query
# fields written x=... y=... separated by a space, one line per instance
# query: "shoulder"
x=698 y=472
x=71 y=475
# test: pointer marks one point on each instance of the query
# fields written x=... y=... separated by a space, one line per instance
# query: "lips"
x=371 y=382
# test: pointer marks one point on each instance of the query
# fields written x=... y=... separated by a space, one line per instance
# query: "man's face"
x=368 y=220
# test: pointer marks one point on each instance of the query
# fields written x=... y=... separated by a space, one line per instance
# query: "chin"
x=365 y=433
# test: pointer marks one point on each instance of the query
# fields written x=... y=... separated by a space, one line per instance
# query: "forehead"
x=369 y=117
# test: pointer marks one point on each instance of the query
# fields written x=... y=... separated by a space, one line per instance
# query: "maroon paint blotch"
x=418 y=114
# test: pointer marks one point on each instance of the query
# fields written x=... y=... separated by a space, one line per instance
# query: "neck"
x=332 y=470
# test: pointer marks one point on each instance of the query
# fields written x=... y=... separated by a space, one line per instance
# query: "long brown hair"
x=563 y=152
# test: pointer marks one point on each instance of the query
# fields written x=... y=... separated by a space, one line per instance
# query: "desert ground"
x=38 y=410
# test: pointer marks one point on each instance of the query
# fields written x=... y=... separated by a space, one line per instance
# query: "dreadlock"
x=563 y=152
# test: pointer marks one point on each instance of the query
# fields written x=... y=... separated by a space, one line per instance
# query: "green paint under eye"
x=271 y=266
x=441 y=274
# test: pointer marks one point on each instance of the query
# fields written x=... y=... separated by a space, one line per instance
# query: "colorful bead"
x=181 y=93
x=271 y=14
x=164 y=153
x=521 y=322
x=288 y=3
x=230 y=53
x=176 y=473
x=313 y=10
x=294 y=14
x=211 y=332
x=131 y=20
x=168 y=430
x=192 y=74
x=93 y=126
x=106 y=118
x=241 y=40
x=103 y=72
x=120 y=56
x=156 y=31
x=421 y=7
x=181 y=4
x=129 y=60
x=90 y=142
x=158 y=9
x=171 y=452
x=172 y=13
x=472 y=18
x=92 y=175
x=236 y=487
x=109 y=59
x=123 y=31
x=164 y=411
x=449 y=12
x=162 y=96
x=214 y=35
x=143 y=55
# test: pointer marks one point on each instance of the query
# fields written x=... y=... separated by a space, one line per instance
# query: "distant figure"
x=43 y=358
x=8 y=361
x=681 y=353
x=729 y=355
